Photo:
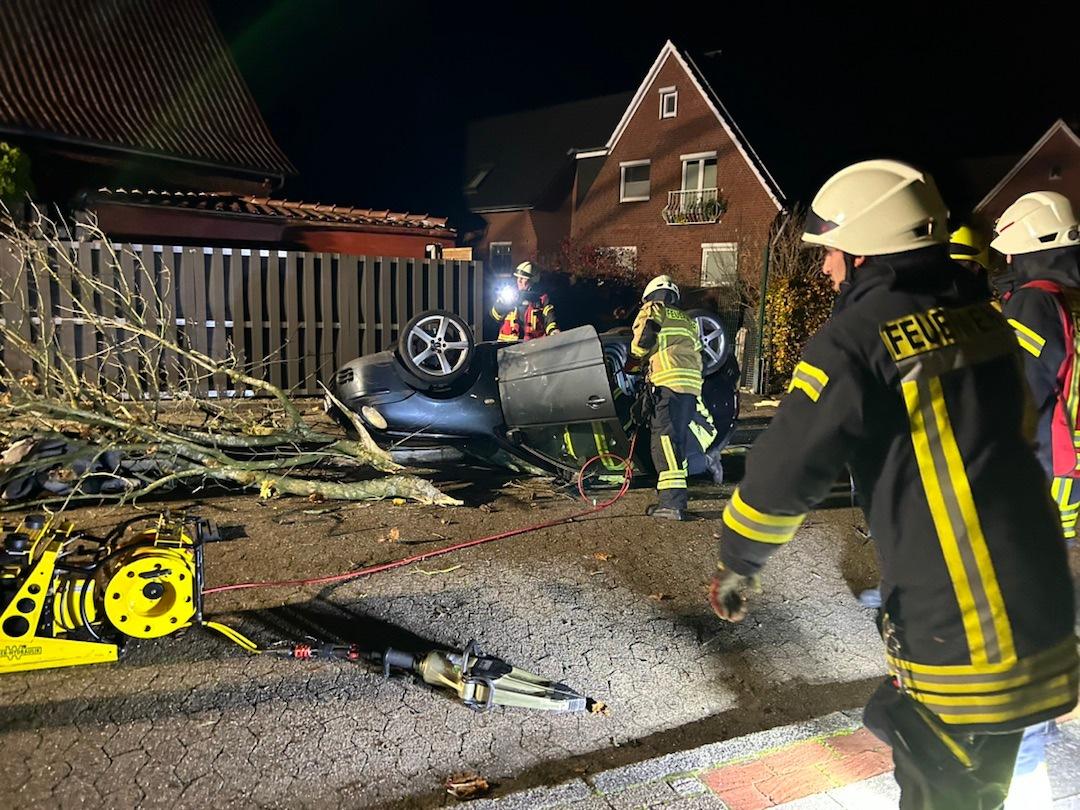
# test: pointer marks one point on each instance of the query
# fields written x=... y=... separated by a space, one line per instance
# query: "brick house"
x=677 y=185
x=1052 y=164
x=672 y=184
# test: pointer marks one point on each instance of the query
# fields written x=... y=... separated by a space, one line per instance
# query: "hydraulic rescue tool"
x=70 y=598
x=479 y=681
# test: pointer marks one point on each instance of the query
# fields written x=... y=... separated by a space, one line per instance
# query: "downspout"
x=759 y=383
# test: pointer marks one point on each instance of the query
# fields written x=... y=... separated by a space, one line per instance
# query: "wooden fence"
x=290 y=318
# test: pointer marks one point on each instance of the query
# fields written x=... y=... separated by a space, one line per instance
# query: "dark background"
x=371 y=100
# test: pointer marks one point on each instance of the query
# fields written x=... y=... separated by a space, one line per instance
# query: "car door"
x=558 y=402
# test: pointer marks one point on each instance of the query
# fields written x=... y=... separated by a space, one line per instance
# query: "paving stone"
x=648 y=795
x=878 y=793
x=687 y=786
x=747 y=797
x=858 y=767
x=794 y=784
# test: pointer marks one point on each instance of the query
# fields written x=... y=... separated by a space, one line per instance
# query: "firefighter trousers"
x=670 y=440
x=1066 y=494
x=930 y=775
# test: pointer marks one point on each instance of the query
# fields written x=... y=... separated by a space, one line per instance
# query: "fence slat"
x=461 y=305
x=194 y=297
x=129 y=355
x=478 y=313
x=239 y=267
x=401 y=307
x=291 y=291
x=257 y=318
x=431 y=276
x=327 y=359
x=168 y=286
x=367 y=312
x=385 y=315
x=348 y=337
x=416 y=274
x=146 y=284
x=310 y=361
x=215 y=309
x=65 y=305
x=275 y=351
x=105 y=304
x=15 y=310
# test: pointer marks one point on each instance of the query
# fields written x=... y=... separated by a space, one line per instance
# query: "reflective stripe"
x=669 y=453
x=754 y=524
x=976 y=680
x=671 y=479
x=1028 y=338
x=603 y=448
x=569 y=443
x=1058 y=693
x=956 y=521
x=808 y=379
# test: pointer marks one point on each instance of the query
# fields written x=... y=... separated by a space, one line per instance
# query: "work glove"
x=728 y=592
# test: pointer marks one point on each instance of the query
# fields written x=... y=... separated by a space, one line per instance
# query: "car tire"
x=436 y=347
x=716 y=347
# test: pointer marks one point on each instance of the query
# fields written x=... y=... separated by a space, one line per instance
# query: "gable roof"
x=701 y=84
x=1055 y=128
x=523 y=160
x=141 y=76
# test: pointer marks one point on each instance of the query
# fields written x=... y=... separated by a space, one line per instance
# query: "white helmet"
x=1041 y=220
x=660 y=283
x=526 y=271
x=877 y=207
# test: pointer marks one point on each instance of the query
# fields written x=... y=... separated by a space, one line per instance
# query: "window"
x=669 y=102
x=719 y=264
x=499 y=257
x=481 y=174
x=699 y=171
x=635 y=181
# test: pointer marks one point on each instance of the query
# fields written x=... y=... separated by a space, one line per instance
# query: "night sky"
x=371 y=100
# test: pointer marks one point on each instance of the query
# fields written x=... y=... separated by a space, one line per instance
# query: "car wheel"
x=436 y=347
x=715 y=347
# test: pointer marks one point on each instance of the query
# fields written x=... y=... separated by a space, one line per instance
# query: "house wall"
x=602 y=220
x=1061 y=151
x=509 y=226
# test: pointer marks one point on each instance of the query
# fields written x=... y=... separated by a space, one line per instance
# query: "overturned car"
x=546 y=405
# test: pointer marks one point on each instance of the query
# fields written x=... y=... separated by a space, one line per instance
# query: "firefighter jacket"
x=1036 y=315
x=668 y=338
x=916 y=384
x=532 y=317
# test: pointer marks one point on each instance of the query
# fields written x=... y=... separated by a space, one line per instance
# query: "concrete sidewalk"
x=825 y=764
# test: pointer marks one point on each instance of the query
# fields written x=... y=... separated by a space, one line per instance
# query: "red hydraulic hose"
x=628 y=474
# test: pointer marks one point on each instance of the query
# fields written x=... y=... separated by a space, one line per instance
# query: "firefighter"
x=667 y=339
x=1038 y=235
x=915 y=383
x=968 y=247
x=525 y=314
x=1040 y=239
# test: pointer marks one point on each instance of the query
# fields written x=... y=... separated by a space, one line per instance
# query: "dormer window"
x=669 y=102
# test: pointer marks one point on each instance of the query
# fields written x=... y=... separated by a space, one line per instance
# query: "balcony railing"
x=693 y=207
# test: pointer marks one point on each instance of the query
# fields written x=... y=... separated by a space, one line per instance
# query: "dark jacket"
x=916 y=384
x=1036 y=317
